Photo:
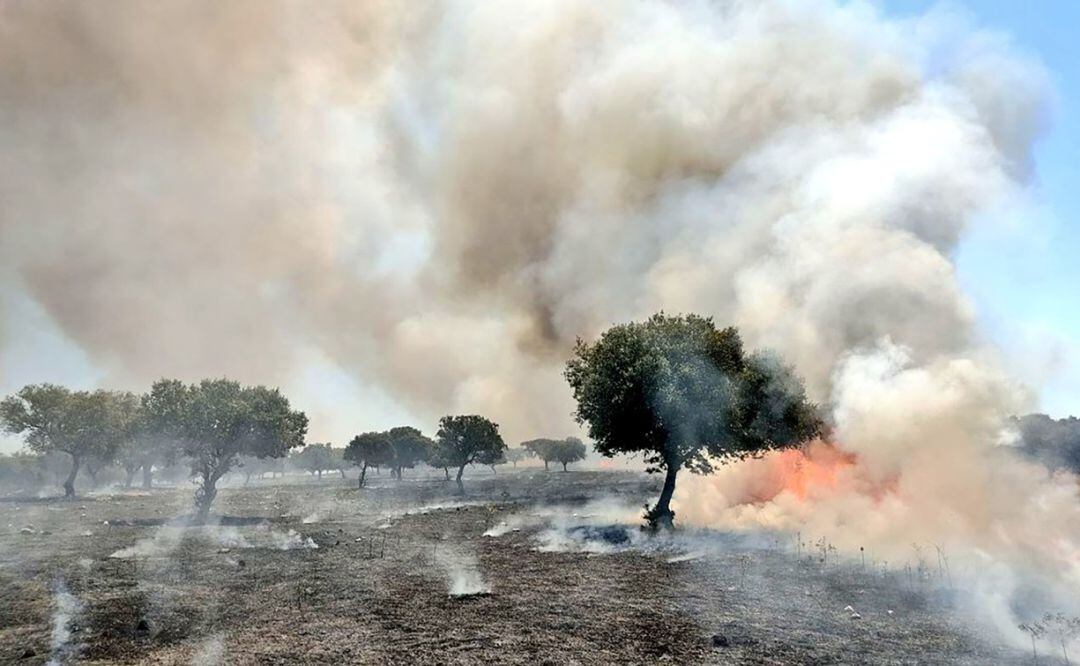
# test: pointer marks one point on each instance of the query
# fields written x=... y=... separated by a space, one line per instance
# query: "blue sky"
x=1023 y=268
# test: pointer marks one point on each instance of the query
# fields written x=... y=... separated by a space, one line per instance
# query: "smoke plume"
x=440 y=197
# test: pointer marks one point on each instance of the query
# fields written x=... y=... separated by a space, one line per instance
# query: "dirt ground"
x=299 y=571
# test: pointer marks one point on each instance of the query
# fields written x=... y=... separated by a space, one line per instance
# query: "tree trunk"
x=319 y=473
x=461 y=487
x=363 y=473
x=545 y=466
x=447 y=470
x=129 y=475
x=69 y=484
x=148 y=476
x=204 y=497
x=342 y=470
x=564 y=467
x=661 y=515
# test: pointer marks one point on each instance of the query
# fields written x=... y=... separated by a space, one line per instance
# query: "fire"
x=813 y=469
x=820 y=465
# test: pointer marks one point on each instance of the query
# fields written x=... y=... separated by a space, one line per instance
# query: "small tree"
x=439 y=458
x=685 y=395
x=408 y=447
x=223 y=420
x=516 y=455
x=370 y=449
x=541 y=448
x=53 y=419
x=315 y=458
x=569 y=450
x=464 y=440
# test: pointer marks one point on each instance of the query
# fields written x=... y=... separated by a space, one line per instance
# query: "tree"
x=1053 y=442
x=568 y=451
x=159 y=429
x=408 y=447
x=316 y=458
x=439 y=459
x=371 y=449
x=222 y=420
x=464 y=440
x=51 y=418
x=563 y=451
x=685 y=395
x=516 y=455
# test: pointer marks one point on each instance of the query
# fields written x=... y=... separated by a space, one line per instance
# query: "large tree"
x=685 y=395
x=52 y=419
x=222 y=420
x=464 y=440
x=370 y=449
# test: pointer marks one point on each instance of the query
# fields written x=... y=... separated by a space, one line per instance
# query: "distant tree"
x=1054 y=442
x=569 y=450
x=516 y=455
x=564 y=451
x=22 y=471
x=51 y=418
x=317 y=458
x=371 y=449
x=222 y=420
x=685 y=395
x=408 y=447
x=465 y=440
x=439 y=458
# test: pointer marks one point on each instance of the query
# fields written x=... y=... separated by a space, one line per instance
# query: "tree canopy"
x=82 y=424
x=564 y=451
x=220 y=420
x=408 y=447
x=465 y=440
x=685 y=395
x=318 y=458
x=370 y=449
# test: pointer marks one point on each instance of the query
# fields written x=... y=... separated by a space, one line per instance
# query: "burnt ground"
x=253 y=590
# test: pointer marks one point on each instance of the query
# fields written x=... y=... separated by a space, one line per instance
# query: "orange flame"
x=816 y=467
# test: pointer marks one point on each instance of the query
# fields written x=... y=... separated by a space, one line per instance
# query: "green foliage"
x=563 y=451
x=685 y=395
x=83 y=424
x=318 y=458
x=408 y=447
x=218 y=420
x=370 y=449
x=467 y=440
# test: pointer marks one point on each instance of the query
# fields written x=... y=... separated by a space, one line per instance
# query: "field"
x=528 y=567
